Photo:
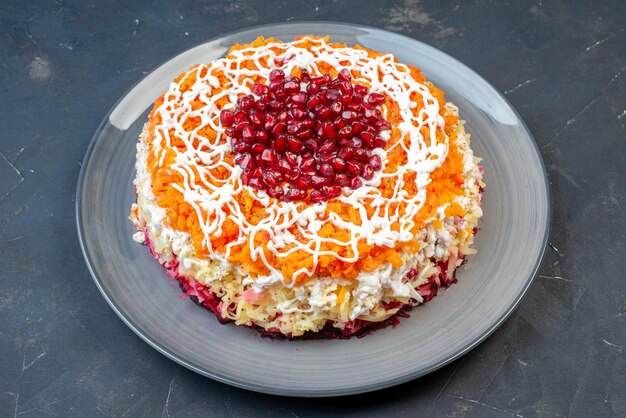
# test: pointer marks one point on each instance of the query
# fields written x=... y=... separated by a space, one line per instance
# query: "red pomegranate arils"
x=305 y=137
x=353 y=168
x=326 y=170
x=276 y=75
x=376 y=162
x=376 y=99
x=344 y=75
x=368 y=172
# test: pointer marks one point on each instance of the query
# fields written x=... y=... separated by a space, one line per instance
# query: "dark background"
x=63 y=352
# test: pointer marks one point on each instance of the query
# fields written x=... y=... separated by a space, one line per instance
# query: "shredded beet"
x=207 y=299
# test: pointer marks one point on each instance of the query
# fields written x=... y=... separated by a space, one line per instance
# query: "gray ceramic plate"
x=511 y=243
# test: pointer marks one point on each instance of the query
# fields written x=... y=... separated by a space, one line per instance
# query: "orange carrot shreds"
x=194 y=177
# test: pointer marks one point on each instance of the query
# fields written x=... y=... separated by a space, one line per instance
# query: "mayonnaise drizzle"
x=210 y=196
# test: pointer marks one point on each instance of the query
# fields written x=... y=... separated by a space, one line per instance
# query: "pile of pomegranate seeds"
x=301 y=138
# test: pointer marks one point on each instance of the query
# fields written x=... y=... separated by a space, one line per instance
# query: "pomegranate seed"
x=281 y=144
x=331 y=191
x=270 y=118
x=257 y=148
x=311 y=144
x=319 y=181
x=227 y=118
x=270 y=178
x=356 y=142
x=299 y=98
x=294 y=194
x=256 y=183
x=326 y=170
x=354 y=107
x=279 y=128
x=375 y=162
x=283 y=116
x=291 y=106
x=355 y=183
x=368 y=172
x=305 y=134
x=307 y=163
x=368 y=139
x=245 y=103
x=325 y=157
x=345 y=99
x=353 y=168
x=276 y=75
x=276 y=192
x=303 y=182
x=328 y=130
x=241 y=147
x=348 y=115
x=240 y=116
x=331 y=95
x=246 y=176
x=294 y=145
x=317 y=196
x=345 y=142
x=291 y=87
x=356 y=98
x=322 y=112
x=345 y=132
x=360 y=89
x=342 y=179
x=313 y=102
x=268 y=156
x=245 y=161
x=345 y=153
x=327 y=147
x=292 y=158
x=256 y=118
x=299 y=114
x=382 y=125
x=275 y=104
x=260 y=104
x=308 y=123
x=369 y=114
x=358 y=127
x=262 y=136
x=323 y=79
x=360 y=154
x=376 y=99
x=339 y=164
x=284 y=166
x=239 y=127
x=312 y=88
x=293 y=127
x=345 y=88
x=281 y=94
x=344 y=75
x=379 y=142
x=260 y=89
x=336 y=107
x=248 y=134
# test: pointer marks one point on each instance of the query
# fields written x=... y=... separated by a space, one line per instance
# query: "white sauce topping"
x=214 y=200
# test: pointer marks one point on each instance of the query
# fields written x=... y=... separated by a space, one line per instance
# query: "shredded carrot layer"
x=446 y=183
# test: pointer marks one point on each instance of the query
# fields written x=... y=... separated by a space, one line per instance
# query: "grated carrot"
x=446 y=183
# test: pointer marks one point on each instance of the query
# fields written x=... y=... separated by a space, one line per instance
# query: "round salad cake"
x=307 y=189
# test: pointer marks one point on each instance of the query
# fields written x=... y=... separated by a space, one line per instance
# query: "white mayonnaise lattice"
x=214 y=200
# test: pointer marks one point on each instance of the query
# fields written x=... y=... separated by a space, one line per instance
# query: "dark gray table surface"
x=63 y=351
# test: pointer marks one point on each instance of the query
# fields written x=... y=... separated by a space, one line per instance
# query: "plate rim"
x=319 y=392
